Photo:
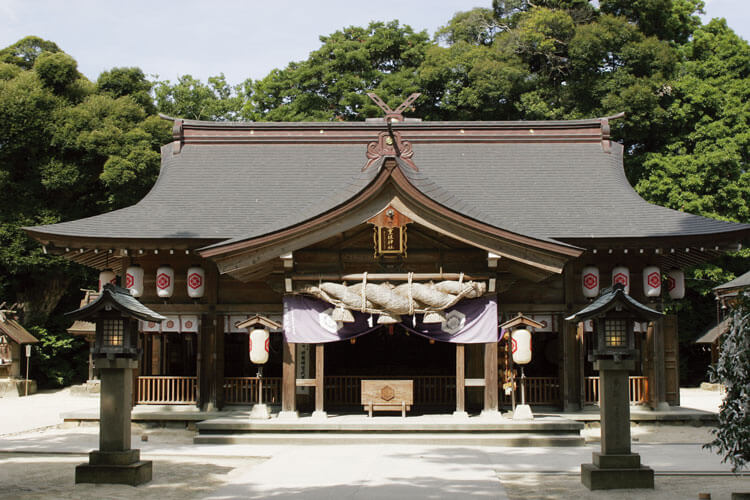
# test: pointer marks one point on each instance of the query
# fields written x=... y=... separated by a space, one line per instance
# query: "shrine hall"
x=391 y=249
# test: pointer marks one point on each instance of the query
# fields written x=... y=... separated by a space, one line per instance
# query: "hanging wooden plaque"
x=390 y=232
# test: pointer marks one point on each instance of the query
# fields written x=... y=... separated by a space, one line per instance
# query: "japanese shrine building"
x=329 y=218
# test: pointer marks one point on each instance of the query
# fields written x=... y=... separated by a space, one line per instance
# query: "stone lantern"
x=614 y=313
x=116 y=313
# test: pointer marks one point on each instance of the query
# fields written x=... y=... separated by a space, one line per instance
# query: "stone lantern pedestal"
x=115 y=462
x=615 y=467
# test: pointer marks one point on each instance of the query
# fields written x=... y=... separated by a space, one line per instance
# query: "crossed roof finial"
x=390 y=114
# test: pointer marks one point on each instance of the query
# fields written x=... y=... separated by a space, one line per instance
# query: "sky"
x=242 y=39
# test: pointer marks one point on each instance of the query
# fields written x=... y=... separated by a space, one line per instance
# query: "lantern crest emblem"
x=621 y=278
x=195 y=280
x=163 y=281
x=654 y=280
x=590 y=281
x=129 y=280
x=671 y=283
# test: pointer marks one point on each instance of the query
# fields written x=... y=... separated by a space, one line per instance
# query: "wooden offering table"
x=387 y=395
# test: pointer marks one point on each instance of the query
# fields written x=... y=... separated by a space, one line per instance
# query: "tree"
x=331 y=84
x=190 y=98
x=732 y=371
x=68 y=149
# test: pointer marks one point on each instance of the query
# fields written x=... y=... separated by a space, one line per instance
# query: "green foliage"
x=477 y=26
x=703 y=166
x=331 y=84
x=58 y=359
x=120 y=82
x=732 y=371
x=190 y=98
x=56 y=70
x=24 y=52
x=68 y=149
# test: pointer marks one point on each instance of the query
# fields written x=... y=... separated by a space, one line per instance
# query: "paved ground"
x=40 y=463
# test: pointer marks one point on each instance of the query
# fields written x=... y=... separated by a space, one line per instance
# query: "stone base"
x=288 y=415
x=319 y=415
x=260 y=412
x=629 y=461
x=597 y=478
x=115 y=467
x=491 y=415
x=16 y=387
x=460 y=414
x=523 y=412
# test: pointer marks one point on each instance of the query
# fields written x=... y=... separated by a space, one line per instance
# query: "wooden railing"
x=244 y=390
x=637 y=390
x=539 y=391
x=165 y=389
x=345 y=390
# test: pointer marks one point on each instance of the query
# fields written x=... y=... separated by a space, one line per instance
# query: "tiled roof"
x=238 y=189
x=122 y=300
x=739 y=282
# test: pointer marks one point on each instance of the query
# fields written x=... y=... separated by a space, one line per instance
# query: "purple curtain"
x=309 y=321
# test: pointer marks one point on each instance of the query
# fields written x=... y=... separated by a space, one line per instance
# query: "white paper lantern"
x=107 y=276
x=258 y=346
x=164 y=281
x=196 y=282
x=621 y=274
x=590 y=281
x=651 y=281
x=521 y=346
x=134 y=280
x=676 y=284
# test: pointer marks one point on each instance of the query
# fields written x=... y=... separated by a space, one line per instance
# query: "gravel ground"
x=534 y=486
x=31 y=431
x=25 y=476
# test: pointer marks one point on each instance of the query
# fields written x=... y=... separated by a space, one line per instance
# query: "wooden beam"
x=385 y=277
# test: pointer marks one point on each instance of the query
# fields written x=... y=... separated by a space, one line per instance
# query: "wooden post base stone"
x=613 y=472
x=115 y=467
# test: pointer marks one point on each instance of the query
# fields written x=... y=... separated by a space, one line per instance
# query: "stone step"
x=507 y=439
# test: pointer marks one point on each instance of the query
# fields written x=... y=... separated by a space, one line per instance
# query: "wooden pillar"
x=319 y=373
x=90 y=340
x=572 y=398
x=219 y=361
x=210 y=380
x=460 y=380
x=289 y=378
x=659 y=372
x=490 y=377
x=572 y=344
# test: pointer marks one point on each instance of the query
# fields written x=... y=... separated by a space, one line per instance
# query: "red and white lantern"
x=520 y=341
x=590 y=281
x=258 y=346
x=196 y=282
x=134 y=280
x=676 y=284
x=621 y=274
x=107 y=276
x=164 y=281
x=651 y=281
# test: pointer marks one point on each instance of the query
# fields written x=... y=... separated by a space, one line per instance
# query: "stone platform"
x=359 y=429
